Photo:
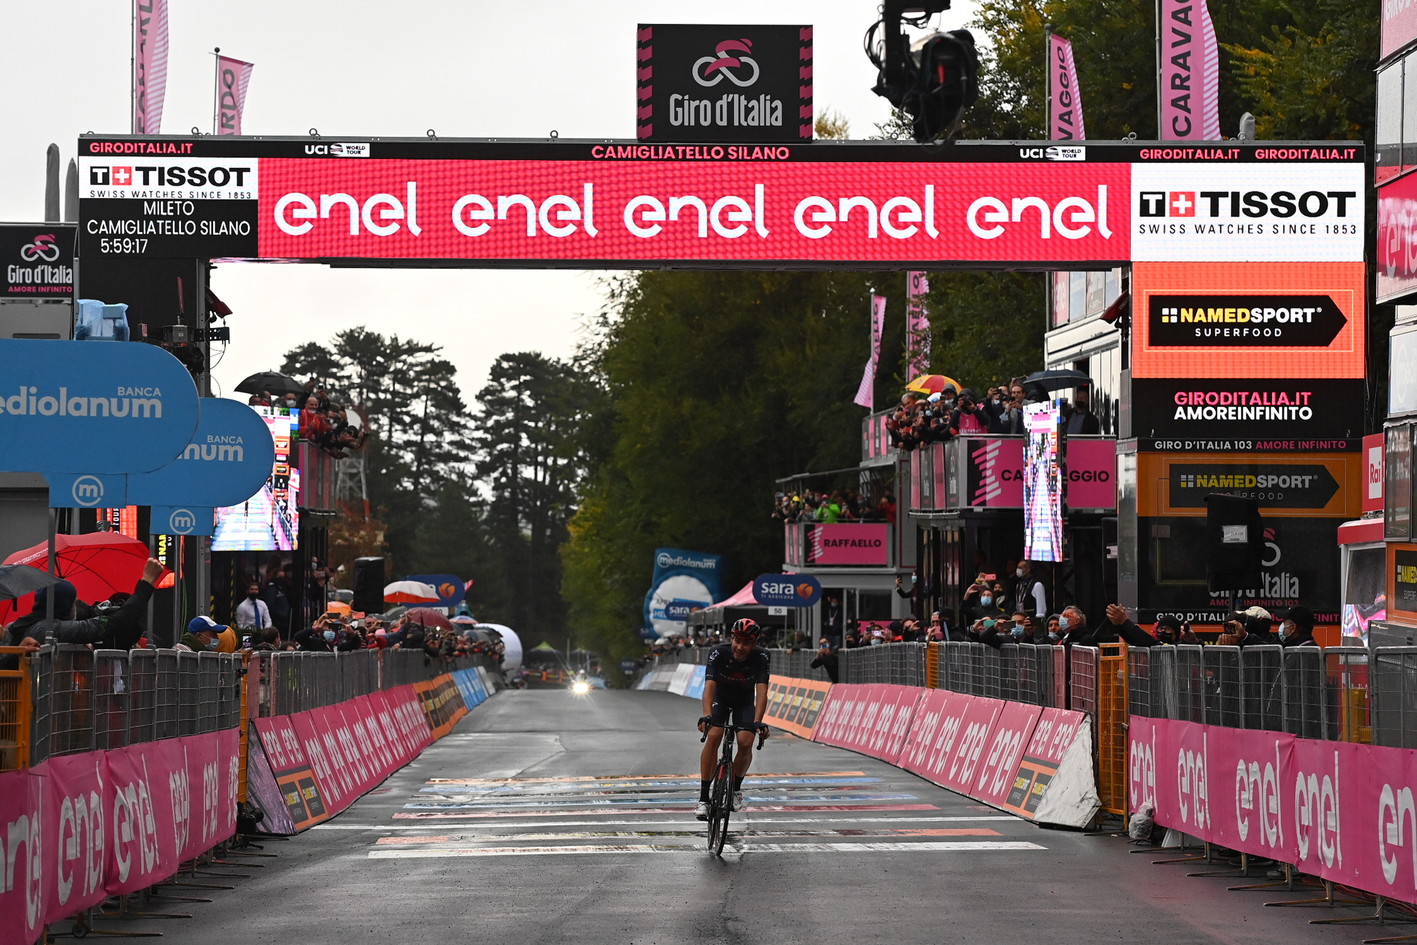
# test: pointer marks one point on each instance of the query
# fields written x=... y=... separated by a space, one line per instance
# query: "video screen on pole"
x=1042 y=483
x=269 y=520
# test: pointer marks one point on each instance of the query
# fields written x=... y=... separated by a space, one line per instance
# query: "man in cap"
x=1297 y=628
x=118 y=628
x=203 y=633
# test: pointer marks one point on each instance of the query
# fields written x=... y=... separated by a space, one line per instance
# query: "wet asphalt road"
x=547 y=818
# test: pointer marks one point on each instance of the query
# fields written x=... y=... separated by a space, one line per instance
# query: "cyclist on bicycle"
x=735 y=692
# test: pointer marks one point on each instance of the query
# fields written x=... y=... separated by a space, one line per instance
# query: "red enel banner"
x=1340 y=811
x=79 y=828
x=872 y=719
x=614 y=212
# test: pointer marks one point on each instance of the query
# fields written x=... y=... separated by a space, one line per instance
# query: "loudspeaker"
x=1234 y=535
x=368 y=585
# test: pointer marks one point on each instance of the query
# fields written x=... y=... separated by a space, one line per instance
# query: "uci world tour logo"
x=711 y=70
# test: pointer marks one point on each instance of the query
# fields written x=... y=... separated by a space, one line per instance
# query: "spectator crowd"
x=323 y=421
x=933 y=418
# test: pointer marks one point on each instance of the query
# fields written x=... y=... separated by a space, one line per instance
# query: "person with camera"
x=115 y=628
x=826 y=659
x=1005 y=408
x=968 y=417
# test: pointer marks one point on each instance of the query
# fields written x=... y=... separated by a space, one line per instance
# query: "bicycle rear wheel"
x=720 y=806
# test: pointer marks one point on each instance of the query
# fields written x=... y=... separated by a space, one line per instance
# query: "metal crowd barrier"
x=86 y=700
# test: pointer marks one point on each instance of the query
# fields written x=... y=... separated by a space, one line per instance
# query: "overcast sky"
x=475 y=69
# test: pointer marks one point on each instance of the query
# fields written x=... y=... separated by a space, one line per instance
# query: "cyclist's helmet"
x=747 y=629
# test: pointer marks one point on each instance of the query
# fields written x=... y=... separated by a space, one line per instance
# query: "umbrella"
x=17 y=580
x=428 y=617
x=1056 y=380
x=272 y=381
x=98 y=564
x=932 y=384
x=410 y=592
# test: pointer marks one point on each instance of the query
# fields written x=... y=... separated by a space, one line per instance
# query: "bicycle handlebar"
x=735 y=729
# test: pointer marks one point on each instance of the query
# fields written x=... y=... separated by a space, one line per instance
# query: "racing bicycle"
x=721 y=788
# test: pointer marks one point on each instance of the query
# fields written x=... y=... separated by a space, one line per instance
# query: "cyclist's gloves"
x=705 y=719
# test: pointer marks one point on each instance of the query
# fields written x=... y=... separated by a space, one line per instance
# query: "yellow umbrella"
x=337 y=607
x=928 y=384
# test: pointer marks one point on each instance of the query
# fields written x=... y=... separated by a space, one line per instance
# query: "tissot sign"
x=637 y=205
x=724 y=83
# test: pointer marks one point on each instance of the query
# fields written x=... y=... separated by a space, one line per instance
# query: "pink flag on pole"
x=917 y=323
x=1190 y=72
x=232 y=78
x=149 y=65
x=866 y=393
x=1065 y=122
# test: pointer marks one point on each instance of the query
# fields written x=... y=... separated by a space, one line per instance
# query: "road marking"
x=976 y=846
x=450 y=802
x=678 y=823
x=757 y=808
x=639 y=777
x=695 y=832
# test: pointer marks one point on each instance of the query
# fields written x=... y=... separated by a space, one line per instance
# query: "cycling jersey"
x=737 y=678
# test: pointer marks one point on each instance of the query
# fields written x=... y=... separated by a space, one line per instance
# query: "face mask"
x=329 y=636
x=1284 y=631
x=1052 y=637
x=1018 y=572
x=986 y=600
x=214 y=644
x=1064 y=623
x=1017 y=632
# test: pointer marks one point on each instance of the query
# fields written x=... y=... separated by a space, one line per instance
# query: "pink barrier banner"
x=1010 y=734
x=849 y=543
x=938 y=719
x=22 y=819
x=949 y=738
x=1340 y=811
x=870 y=719
x=76 y=847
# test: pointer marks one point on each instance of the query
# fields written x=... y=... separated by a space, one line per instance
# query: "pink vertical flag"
x=149 y=65
x=1190 y=72
x=917 y=323
x=232 y=78
x=866 y=393
x=1065 y=120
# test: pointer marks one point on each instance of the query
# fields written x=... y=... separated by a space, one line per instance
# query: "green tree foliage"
x=1304 y=70
x=528 y=438
x=409 y=398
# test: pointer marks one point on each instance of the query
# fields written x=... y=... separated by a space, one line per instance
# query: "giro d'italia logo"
x=729 y=62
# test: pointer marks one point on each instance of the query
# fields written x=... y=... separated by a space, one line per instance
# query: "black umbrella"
x=272 y=381
x=17 y=580
x=1055 y=380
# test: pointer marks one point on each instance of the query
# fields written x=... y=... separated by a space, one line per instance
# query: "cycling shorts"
x=734 y=709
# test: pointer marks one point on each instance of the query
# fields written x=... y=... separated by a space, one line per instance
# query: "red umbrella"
x=429 y=617
x=98 y=565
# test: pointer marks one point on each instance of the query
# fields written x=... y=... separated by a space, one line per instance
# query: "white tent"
x=512 y=657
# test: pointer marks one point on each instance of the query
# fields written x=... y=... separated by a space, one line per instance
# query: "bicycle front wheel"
x=720 y=806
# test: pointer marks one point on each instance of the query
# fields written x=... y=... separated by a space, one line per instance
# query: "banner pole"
x=216 y=87
x=1048 y=81
x=133 y=69
x=1160 y=54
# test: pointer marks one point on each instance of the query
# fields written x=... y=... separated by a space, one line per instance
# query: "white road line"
x=522 y=821
x=864 y=847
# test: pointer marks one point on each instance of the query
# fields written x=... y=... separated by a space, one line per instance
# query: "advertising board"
x=37 y=260
x=855 y=543
x=1402 y=580
x=1396 y=261
x=1294 y=485
x=637 y=205
x=1248 y=411
x=995 y=473
x=715 y=82
x=1261 y=320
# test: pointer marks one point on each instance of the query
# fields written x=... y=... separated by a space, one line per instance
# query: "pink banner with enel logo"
x=610 y=208
x=871 y=719
x=1340 y=811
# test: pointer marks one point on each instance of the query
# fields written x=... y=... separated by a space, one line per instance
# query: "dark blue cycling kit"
x=736 y=683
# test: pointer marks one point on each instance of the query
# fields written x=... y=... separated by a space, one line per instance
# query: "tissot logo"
x=111 y=176
x=1254 y=204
